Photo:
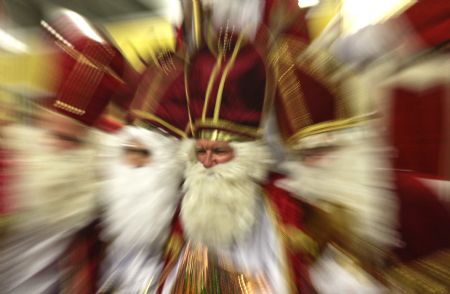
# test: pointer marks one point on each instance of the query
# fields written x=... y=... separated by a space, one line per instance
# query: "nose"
x=208 y=160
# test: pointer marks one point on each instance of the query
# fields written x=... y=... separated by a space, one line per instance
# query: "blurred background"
x=139 y=27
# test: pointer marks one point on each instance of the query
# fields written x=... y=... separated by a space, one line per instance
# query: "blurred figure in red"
x=369 y=181
x=52 y=200
x=49 y=245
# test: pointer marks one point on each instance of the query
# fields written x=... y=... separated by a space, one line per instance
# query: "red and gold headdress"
x=227 y=92
x=90 y=69
x=309 y=108
x=160 y=99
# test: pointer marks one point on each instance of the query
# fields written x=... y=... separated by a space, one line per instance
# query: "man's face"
x=63 y=132
x=211 y=153
x=136 y=154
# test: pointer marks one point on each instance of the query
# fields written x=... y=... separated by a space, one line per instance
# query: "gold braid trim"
x=327 y=126
x=220 y=135
x=225 y=129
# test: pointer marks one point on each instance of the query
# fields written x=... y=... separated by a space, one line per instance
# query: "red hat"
x=306 y=105
x=90 y=69
x=160 y=99
x=429 y=21
x=227 y=91
x=218 y=96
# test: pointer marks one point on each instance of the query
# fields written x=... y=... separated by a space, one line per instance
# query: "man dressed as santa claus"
x=388 y=229
x=141 y=195
x=235 y=231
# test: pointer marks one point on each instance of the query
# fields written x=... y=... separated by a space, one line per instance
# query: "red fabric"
x=290 y=212
x=243 y=93
x=91 y=73
x=83 y=257
x=417 y=128
x=5 y=179
x=424 y=220
x=161 y=93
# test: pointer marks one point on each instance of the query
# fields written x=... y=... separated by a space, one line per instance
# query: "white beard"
x=243 y=15
x=356 y=176
x=53 y=189
x=140 y=202
x=219 y=207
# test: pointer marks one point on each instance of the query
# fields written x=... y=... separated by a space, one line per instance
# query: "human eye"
x=200 y=151
x=220 y=150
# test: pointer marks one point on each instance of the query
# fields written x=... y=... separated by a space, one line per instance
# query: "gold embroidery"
x=290 y=87
x=201 y=271
x=228 y=125
x=68 y=108
x=220 y=135
x=75 y=54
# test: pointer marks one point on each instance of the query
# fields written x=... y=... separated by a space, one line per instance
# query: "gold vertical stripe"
x=197 y=22
x=224 y=76
x=151 y=96
x=211 y=84
x=188 y=100
x=291 y=90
